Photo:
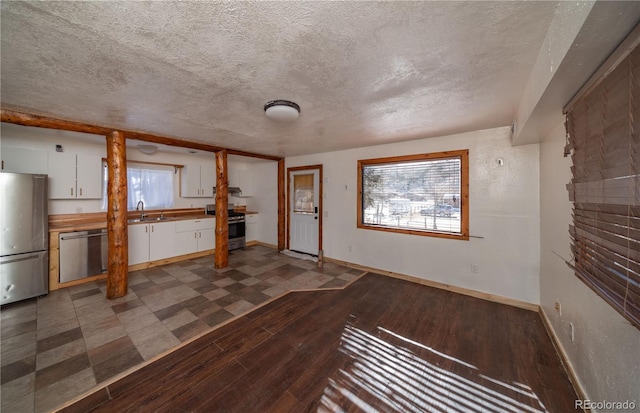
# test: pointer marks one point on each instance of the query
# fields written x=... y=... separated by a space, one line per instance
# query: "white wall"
x=606 y=352
x=265 y=200
x=504 y=209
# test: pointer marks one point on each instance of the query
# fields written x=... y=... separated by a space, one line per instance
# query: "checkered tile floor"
x=56 y=347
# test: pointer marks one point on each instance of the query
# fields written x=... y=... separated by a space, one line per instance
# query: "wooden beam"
x=221 y=258
x=28 y=119
x=252 y=155
x=117 y=215
x=281 y=206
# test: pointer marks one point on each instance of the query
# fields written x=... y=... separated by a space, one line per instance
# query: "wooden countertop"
x=98 y=220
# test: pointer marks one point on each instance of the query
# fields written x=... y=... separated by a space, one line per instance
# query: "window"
x=151 y=184
x=603 y=134
x=425 y=194
x=303 y=193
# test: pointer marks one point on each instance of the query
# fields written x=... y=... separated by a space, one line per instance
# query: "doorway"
x=304 y=209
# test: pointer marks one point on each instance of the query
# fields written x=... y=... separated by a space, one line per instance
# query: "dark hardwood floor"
x=379 y=345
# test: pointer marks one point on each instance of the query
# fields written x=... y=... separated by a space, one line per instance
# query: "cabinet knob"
x=80 y=191
x=195 y=235
x=71 y=191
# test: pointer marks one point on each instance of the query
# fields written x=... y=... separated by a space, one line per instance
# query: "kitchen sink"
x=155 y=219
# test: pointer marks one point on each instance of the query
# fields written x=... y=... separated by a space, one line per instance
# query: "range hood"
x=232 y=190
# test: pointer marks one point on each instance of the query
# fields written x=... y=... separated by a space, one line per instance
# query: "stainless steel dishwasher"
x=83 y=254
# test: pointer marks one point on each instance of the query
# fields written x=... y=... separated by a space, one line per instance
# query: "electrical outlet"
x=349 y=248
x=475 y=268
x=558 y=307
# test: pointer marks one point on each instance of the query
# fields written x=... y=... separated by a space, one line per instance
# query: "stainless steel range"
x=237 y=227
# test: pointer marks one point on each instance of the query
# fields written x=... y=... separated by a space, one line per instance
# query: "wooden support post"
x=221 y=259
x=281 y=206
x=117 y=215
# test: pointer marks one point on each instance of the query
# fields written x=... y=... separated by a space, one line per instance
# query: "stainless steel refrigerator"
x=24 y=236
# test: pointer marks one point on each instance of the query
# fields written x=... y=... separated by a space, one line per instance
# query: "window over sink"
x=151 y=184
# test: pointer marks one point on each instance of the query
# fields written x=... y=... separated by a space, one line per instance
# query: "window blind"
x=419 y=194
x=603 y=128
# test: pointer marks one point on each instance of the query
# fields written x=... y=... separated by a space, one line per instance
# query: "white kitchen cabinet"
x=186 y=242
x=73 y=176
x=23 y=160
x=207 y=179
x=207 y=238
x=151 y=242
x=198 y=180
x=195 y=235
x=242 y=176
x=252 y=223
x=246 y=183
x=162 y=240
x=138 y=243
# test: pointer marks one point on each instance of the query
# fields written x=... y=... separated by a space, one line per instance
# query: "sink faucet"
x=141 y=206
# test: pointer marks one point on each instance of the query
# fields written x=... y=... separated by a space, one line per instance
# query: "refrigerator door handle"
x=30 y=257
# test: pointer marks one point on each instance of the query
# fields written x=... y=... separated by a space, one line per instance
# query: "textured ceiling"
x=363 y=73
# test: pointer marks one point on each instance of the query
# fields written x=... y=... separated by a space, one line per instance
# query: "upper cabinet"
x=241 y=175
x=73 y=176
x=198 y=180
x=23 y=160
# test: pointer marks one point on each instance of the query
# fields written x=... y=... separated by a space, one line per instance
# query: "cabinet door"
x=207 y=179
x=24 y=161
x=246 y=182
x=62 y=175
x=233 y=174
x=190 y=181
x=162 y=240
x=251 y=227
x=251 y=232
x=186 y=242
x=138 y=243
x=206 y=239
x=89 y=177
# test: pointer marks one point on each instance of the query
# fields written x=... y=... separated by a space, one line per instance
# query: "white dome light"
x=282 y=110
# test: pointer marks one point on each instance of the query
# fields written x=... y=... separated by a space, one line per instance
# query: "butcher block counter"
x=98 y=220
x=95 y=221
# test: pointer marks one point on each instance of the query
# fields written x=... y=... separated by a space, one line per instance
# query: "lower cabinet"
x=162 y=240
x=252 y=229
x=151 y=242
x=195 y=235
x=138 y=243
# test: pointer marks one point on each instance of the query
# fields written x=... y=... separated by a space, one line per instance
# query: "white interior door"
x=304 y=197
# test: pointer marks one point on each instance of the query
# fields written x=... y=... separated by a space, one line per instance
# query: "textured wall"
x=504 y=209
x=606 y=350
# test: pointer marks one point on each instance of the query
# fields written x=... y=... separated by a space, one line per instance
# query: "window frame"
x=462 y=154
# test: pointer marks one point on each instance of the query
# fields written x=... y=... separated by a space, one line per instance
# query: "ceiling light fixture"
x=148 y=149
x=282 y=110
